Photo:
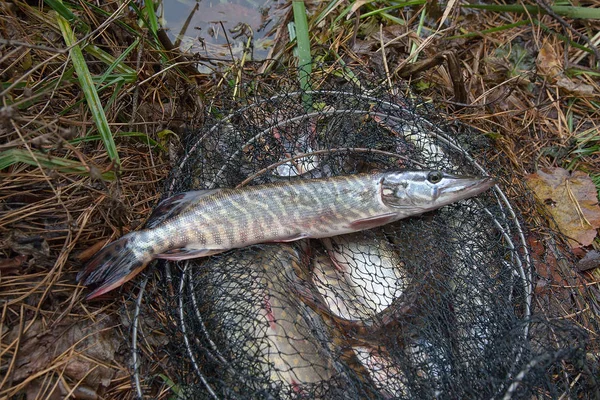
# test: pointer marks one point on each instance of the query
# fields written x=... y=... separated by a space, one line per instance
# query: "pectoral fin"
x=372 y=222
x=293 y=238
x=186 y=254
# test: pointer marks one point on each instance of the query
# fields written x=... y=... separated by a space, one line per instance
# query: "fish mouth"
x=462 y=187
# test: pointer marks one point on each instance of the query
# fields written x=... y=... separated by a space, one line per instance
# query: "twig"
x=569 y=27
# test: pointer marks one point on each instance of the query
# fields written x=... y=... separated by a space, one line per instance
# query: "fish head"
x=416 y=192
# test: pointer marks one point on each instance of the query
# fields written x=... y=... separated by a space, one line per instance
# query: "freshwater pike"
x=205 y=222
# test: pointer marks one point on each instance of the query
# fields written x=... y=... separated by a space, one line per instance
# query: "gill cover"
x=428 y=190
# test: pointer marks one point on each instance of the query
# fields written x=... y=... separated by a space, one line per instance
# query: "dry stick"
x=136 y=91
x=385 y=64
x=162 y=71
x=58 y=82
x=8 y=55
x=577 y=205
x=32 y=46
x=184 y=27
x=569 y=27
x=82 y=222
x=424 y=44
x=53 y=273
x=355 y=30
x=17 y=58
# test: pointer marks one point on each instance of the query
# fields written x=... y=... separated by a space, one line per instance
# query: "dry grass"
x=51 y=212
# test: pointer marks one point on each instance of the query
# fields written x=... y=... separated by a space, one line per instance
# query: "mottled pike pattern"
x=232 y=218
x=202 y=223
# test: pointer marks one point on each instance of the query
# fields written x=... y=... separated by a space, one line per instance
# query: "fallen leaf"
x=30 y=245
x=90 y=251
x=590 y=261
x=357 y=4
x=549 y=65
x=86 y=348
x=548 y=62
x=572 y=201
x=7 y=264
x=576 y=88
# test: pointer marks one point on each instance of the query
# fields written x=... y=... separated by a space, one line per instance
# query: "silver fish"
x=262 y=326
x=383 y=371
x=366 y=265
x=202 y=223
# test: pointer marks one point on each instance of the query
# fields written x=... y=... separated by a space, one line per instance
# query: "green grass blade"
x=491 y=30
x=303 y=47
x=564 y=11
x=38 y=159
x=151 y=15
x=332 y=4
x=61 y=9
x=393 y=19
x=345 y=71
x=89 y=90
x=392 y=7
x=114 y=64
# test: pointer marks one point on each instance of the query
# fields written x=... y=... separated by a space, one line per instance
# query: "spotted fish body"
x=202 y=223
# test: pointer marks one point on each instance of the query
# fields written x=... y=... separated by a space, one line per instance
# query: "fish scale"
x=201 y=223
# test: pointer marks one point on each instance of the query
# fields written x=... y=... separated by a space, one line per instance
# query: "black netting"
x=434 y=306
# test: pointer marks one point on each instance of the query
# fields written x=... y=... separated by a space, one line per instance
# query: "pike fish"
x=206 y=222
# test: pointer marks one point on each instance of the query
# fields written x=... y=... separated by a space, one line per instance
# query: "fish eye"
x=435 y=177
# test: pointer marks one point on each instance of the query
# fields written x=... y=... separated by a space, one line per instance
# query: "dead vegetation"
x=525 y=80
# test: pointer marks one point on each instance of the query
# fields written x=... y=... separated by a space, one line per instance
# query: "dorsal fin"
x=175 y=205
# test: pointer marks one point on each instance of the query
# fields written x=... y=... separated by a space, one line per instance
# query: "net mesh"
x=440 y=305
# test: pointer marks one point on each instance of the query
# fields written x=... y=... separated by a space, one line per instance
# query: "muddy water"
x=220 y=29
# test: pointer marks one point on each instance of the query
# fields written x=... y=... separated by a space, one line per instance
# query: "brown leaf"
x=590 y=261
x=7 y=264
x=548 y=62
x=576 y=88
x=85 y=347
x=572 y=201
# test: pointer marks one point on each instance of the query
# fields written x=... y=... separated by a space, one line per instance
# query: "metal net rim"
x=524 y=267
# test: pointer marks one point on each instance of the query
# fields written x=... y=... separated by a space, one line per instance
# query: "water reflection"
x=222 y=29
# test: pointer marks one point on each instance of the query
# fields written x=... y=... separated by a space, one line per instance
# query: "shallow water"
x=220 y=29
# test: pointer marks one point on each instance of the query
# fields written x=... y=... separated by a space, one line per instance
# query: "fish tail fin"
x=112 y=266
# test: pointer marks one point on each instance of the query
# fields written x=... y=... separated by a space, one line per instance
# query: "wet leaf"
x=550 y=66
x=8 y=264
x=572 y=201
x=32 y=245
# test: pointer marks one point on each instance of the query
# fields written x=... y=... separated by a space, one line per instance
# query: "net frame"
x=514 y=236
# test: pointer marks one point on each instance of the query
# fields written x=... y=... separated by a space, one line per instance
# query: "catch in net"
x=439 y=305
